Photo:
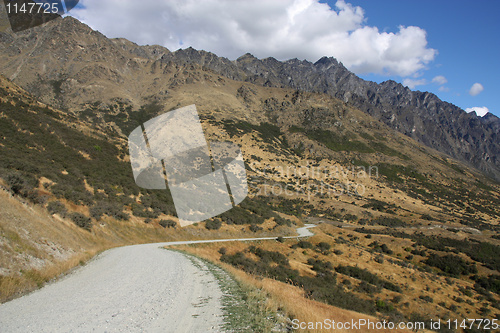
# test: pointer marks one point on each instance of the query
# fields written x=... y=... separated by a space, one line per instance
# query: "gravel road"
x=140 y=288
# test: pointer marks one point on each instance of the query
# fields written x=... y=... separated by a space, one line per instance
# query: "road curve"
x=139 y=288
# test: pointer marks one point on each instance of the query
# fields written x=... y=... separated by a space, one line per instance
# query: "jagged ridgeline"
x=65 y=63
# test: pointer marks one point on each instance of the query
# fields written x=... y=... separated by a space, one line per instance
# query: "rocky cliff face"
x=66 y=63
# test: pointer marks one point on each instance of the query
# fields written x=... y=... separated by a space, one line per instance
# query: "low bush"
x=380 y=247
x=167 y=223
x=57 y=207
x=255 y=228
x=426 y=298
x=303 y=245
x=110 y=209
x=323 y=247
x=213 y=224
x=81 y=220
x=320 y=266
x=140 y=210
x=485 y=284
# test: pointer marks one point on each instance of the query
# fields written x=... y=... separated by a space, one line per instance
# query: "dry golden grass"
x=12 y=286
x=36 y=247
x=288 y=298
x=414 y=283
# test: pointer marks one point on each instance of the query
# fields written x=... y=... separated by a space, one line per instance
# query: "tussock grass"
x=15 y=285
x=36 y=247
x=283 y=298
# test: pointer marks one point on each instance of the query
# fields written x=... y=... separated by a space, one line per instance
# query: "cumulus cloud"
x=480 y=111
x=412 y=84
x=304 y=29
x=439 y=80
x=476 y=89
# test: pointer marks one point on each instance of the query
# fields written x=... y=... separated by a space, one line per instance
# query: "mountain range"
x=67 y=64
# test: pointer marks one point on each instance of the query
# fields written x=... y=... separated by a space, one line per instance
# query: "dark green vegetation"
x=366 y=276
x=253 y=211
x=347 y=141
x=268 y=132
x=451 y=264
x=491 y=283
x=38 y=143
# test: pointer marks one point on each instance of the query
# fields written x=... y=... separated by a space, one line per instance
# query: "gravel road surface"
x=140 y=288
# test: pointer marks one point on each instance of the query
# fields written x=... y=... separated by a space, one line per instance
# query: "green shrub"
x=81 y=220
x=380 y=247
x=365 y=275
x=490 y=283
x=320 y=266
x=323 y=247
x=110 y=209
x=23 y=185
x=213 y=224
x=57 y=207
x=140 y=210
x=304 y=245
x=426 y=298
x=321 y=287
x=451 y=264
x=255 y=228
x=167 y=223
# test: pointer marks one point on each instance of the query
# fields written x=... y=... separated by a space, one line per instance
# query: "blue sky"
x=445 y=46
x=466 y=36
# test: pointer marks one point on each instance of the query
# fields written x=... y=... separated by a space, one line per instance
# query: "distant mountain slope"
x=420 y=115
x=67 y=64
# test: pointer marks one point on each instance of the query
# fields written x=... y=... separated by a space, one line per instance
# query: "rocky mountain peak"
x=325 y=63
x=246 y=57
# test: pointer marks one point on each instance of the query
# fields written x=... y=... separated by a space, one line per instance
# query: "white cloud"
x=304 y=29
x=444 y=89
x=476 y=89
x=439 y=80
x=412 y=84
x=480 y=111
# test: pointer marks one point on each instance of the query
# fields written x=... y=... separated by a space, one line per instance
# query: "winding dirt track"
x=140 y=288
